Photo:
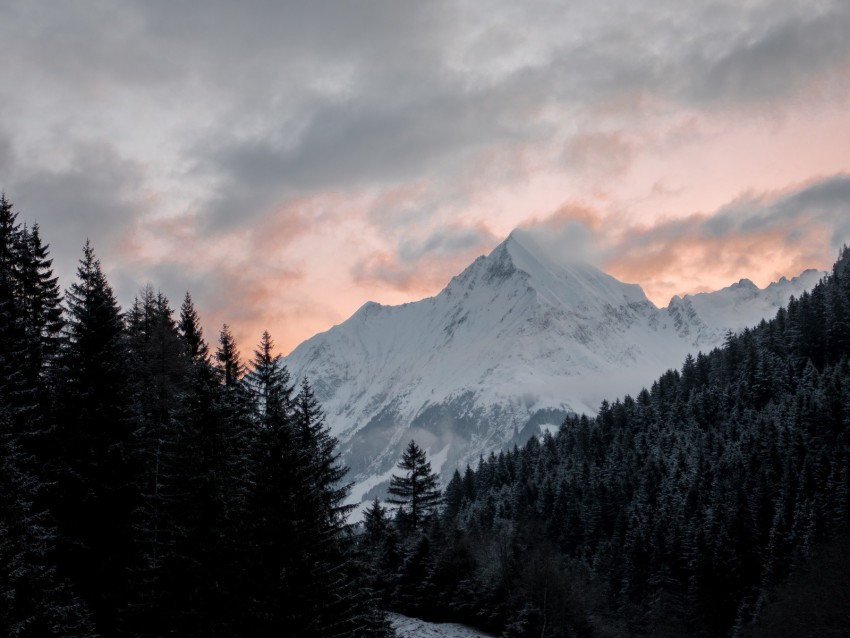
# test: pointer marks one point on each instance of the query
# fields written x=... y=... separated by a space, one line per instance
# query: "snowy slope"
x=414 y=628
x=738 y=306
x=511 y=345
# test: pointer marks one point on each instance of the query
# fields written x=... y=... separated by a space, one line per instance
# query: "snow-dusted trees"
x=674 y=513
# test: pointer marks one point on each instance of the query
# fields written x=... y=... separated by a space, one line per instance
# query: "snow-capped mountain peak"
x=513 y=343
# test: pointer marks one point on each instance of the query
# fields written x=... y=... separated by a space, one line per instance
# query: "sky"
x=286 y=162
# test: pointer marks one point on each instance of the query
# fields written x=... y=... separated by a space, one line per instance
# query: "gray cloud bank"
x=113 y=113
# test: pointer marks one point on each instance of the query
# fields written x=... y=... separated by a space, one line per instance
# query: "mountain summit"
x=512 y=344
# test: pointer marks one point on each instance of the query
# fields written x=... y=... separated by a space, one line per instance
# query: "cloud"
x=608 y=153
x=218 y=147
x=427 y=264
x=294 y=98
x=573 y=231
x=6 y=156
x=774 y=54
x=98 y=196
x=445 y=243
x=759 y=236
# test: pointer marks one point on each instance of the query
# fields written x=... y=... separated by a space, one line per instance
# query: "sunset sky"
x=286 y=162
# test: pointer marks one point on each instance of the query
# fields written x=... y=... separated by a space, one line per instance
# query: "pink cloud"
x=761 y=237
x=421 y=266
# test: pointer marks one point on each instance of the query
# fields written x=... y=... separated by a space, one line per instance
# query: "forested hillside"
x=676 y=512
x=151 y=487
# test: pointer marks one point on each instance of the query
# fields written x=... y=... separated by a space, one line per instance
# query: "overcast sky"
x=286 y=161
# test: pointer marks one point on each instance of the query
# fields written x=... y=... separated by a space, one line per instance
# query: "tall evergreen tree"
x=416 y=492
x=189 y=328
x=322 y=468
x=272 y=505
x=227 y=359
x=16 y=393
x=270 y=383
x=34 y=599
x=336 y=599
x=303 y=577
x=41 y=304
x=159 y=374
x=41 y=328
x=203 y=572
x=95 y=478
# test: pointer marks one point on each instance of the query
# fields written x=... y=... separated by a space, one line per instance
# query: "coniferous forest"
x=152 y=484
x=714 y=503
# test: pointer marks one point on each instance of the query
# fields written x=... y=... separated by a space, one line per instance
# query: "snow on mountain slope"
x=738 y=306
x=507 y=349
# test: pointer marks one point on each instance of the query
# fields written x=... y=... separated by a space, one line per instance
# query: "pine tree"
x=35 y=600
x=270 y=383
x=415 y=493
x=322 y=468
x=331 y=588
x=41 y=304
x=95 y=477
x=227 y=359
x=272 y=500
x=376 y=524
x=303 y=578
x=17 y=394
x=189 y=328
x=159 y=378
x=205 y=574
x=379 y=551
x=454 y=496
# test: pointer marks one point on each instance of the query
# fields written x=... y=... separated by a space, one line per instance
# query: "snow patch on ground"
x=414 y=628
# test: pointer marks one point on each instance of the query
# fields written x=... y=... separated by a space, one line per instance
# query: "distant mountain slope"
x=708 y=315
x=511 y=345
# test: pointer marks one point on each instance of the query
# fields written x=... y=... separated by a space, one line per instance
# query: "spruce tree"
x=269 y=381
x=272 y=500
x=35 y=600
x=378 y=546
x=322 y=468
x=17 y=394
x=336 y=598
x=206 y=570
x=416 y=492
x=227 y=359
x=41 y=305
x=95 y=495
x=454 y=496
x=189 y=328
x=159 y=378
